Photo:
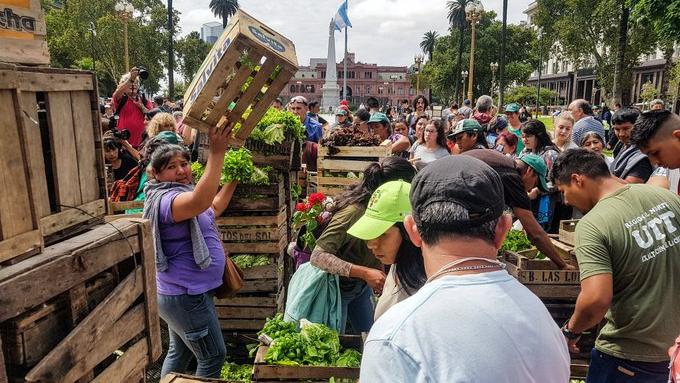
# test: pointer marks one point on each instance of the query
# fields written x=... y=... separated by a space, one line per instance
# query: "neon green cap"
x=388 y=205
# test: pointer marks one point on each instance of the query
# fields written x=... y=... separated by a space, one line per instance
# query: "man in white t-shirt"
x=657 y=134
x=472 y=321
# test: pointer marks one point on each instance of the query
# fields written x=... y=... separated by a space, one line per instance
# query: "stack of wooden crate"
x=341 y=166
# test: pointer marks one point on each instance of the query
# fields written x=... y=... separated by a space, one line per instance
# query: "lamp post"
x=473 y=12
x=540 y=69
x=419 y=61
x=464 y=74
x=494 y=68
x=125 y=9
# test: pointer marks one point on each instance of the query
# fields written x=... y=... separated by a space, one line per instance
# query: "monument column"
x=330 y=92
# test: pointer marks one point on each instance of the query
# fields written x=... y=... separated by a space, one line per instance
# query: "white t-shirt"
x=481 y=328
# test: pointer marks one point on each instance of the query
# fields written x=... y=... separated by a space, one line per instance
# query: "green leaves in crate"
x=236 y=373
x=247 y=261
x=516 y=240
x=277 y=327
x=275 y=125
x=237 y=166
x=349 y=358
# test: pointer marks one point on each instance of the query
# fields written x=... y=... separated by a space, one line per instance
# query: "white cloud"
x=386 y=32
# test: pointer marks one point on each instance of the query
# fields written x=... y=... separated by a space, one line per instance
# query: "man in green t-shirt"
x=628 y=251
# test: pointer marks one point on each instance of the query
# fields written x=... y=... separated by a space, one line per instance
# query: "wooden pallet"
x=245 y=71
x=273 y=373
x=51 y=157
x=333 y=165
x=69 y=285
x=22 y=37
x=265 y=234
x=567 y=233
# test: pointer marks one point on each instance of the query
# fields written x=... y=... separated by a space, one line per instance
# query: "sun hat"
x=512 y=108
x=388 y=205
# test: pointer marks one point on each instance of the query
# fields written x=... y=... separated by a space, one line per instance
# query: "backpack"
x=126 y=189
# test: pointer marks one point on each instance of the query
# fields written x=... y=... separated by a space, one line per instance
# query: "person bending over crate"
x=190 y=258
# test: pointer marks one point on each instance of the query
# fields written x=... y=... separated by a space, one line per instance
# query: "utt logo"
x=10 y=20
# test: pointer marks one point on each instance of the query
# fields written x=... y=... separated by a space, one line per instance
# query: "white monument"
x=330 y=97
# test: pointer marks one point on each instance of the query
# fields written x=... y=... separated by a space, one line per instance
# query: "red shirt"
x=132 y=119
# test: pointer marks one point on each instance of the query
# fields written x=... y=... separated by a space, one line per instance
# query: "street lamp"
x=125 y=9
x=540 y=64
x=473 y=12
x=419 y=61
x=464 y=74
x=494 y=68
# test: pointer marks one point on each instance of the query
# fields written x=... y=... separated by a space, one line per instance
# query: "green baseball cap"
x=379 y=117
x=512 y=108
x=466 y=125
x=536 y=162
x=388 y=205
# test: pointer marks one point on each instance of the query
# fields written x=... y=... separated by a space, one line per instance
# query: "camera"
x=143 y=73
x=121 y=134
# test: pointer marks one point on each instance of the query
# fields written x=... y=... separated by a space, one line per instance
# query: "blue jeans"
x=609 y=369
x=357 y=305
x=194 y=332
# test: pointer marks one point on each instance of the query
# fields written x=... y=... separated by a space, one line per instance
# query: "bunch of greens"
x=238 y=166
x=197 y=169
x=349 y=358
x=287 y=349
x=275 y=125
x=246 y=261
x=322 y=345
x=516 y=240
x=277 y=327
x=236 y=373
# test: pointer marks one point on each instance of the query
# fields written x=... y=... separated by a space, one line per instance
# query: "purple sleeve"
x=165 y=213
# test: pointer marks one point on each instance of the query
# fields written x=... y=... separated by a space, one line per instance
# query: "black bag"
x=113 y=121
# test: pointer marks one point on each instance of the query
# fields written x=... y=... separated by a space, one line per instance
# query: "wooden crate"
x=245 y=71
x=254 y=234
x=52 y=159
x=334 y=163
x=22 y=35
x=567 y=231
x=542 y=276
x=76 y=275
x=246 y=313
x=273 y=373
x=249 y=198
x=183 y=378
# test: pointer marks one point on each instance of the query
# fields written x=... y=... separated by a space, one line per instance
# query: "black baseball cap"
x=464 y=180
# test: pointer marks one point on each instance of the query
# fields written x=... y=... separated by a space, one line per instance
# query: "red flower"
x=301 y=207
x=308 y=206
x=316 y=198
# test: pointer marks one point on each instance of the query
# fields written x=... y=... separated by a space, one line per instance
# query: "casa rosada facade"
x=389 y=84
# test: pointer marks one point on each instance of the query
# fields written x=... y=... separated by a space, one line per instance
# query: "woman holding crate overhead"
x=190 y=259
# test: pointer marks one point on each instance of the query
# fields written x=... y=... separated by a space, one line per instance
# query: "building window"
x=368 y=75
x=401 y=91
x=564 y=66
x=368 y=89
x=555 y=67
x=312 y=75
x=303 y=76
x=302 y=89
x=380 y=90
x=411 y=92
x=312 y=89
x=292 y=89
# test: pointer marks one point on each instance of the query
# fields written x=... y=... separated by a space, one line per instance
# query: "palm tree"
x=224 y=9
x=427 y=45
x=457 y=19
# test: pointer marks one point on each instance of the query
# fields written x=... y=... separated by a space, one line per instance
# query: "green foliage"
x=70 y=40
x=238 y=166
x=247 y=261
x=349 y=358
x=191 y=51
x=649 y=92
x=664 y=16
x=197 y=170
x=236 y=373
x=527 y=95
x=275 y=125
x=224 y=9
x=516 y=240
x=428 y=42
x=276 y=327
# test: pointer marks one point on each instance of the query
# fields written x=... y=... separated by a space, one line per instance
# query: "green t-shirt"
x=520 y=143
x=634 y=235
x=335 y=240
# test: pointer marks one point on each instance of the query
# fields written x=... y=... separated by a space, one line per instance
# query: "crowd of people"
x=420 y=231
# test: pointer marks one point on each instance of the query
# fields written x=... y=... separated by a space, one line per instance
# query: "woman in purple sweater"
x=189 y=254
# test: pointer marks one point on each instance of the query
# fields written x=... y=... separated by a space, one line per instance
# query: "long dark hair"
x=375 y=174
x=537 y=129
x=409 y=261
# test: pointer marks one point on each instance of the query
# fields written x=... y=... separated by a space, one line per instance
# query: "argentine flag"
x=341 y=20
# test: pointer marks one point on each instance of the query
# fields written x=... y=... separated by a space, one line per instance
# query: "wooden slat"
x=231 y=312
x=260 y=286
x=270 y=220
x=252 y=91
x=242 y=324
x=247 y=301
x=127 y=205
x=255 y=247
x=153 y=326
x=229 y=234
x=133 y=356
x=28 y=242
x=84 y=133
x=63 y=266
x=261 y=371
x=64 y=150
x=69 y=217
x=15 y=204
x=181 y=378
x=342 y=165
x=125 y=329
x=76 y=345
x=55 y=82
x=356 y=151
x=34 y=153
x=8 y=78
x=23 y=51
x=555 y=291
x=3 y=372
x=338 y=181
x=261 y=272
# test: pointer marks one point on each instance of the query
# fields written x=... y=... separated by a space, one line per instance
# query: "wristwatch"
x=568 y=333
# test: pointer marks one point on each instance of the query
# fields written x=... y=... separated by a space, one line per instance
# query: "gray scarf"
x=626 y=160
x=154 y=192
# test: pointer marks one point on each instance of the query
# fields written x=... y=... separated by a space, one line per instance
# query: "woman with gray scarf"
x=189 y=254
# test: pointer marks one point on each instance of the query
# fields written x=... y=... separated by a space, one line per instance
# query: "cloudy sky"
x=387 y=32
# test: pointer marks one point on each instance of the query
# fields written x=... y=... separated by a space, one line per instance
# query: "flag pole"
x=344 y=70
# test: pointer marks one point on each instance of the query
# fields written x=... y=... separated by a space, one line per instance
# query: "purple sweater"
x=183 y=276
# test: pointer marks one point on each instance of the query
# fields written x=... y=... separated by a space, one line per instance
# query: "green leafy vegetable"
x=516 y=240
x=277 y=327
x=236 y=373
x=197 y=169
x=238 y=166
x=246 y=261
x=275 y=125
x=349 y=358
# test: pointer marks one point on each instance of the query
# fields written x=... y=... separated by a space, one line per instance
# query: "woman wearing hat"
x=341 y=119
x=382 y=227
